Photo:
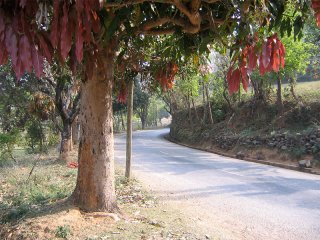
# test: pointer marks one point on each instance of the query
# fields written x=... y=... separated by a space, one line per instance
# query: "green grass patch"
x=21 y=192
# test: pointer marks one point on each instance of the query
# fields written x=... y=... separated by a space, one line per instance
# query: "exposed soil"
x=256 y=132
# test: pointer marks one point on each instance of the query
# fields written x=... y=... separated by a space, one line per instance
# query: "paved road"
x=228 y=198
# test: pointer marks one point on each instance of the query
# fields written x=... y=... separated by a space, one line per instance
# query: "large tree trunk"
x=66 y=142
x=95 y=190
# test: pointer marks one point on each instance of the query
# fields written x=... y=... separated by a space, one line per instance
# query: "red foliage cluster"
x=75 y=21
x=315 y=4
x=165 y=75
x=20 y=39
x=271 y=57
x=25 y=37
x=122 y=96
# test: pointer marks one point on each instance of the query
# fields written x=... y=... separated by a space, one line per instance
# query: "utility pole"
x=129 y=129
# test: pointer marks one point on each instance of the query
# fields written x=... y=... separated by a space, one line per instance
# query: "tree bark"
x=66 y=142
x=209 y=105
x=292 y=89
x=143 y=122
x=129 y=130
x=75 y=131
x=195 y=109
x=122 y=121
x=279 y=95
x=204 y=119
x=189 y=109
x=224 y=93
x=143 y=114
x=95 y=189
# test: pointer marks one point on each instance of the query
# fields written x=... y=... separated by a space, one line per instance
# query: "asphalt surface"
x=225 y=197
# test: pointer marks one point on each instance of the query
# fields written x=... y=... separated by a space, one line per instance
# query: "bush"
x=7 y=143
x=219 y=115
x=35 y=137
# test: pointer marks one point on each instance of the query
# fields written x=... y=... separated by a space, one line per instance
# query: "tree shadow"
x=269 y=190
x=23 y=212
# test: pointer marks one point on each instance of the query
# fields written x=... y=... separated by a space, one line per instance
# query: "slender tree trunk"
x=75 y=131
x=95 y=189
x=195 y=109
x=143 y=122
x=209 y=105
x=122 y=121
x=292 y=89
x=66 y=142
x=279 y=95
x=156 y=118
x=129 y=130
x=224 y=93
x=189 y=109
x=204 y=103
x=116 y=123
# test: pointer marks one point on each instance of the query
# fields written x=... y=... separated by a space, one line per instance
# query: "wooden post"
x=129 y=129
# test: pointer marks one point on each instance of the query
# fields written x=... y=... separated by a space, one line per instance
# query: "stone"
x=240 y=155
x=305 y=164
x=271 y=144
x=313 y=136
x=260 y=156
x=284 y=147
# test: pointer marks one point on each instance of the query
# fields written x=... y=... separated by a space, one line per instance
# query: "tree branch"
x=75 y=108
x=59 y=101
x=193 y=15
x=157 y=32
x=127 y=3
x=150 y=28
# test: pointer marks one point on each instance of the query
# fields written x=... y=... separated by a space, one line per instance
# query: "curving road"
x=224 y=197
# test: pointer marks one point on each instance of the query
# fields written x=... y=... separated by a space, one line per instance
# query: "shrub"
x=7 y=143
x=63 y=231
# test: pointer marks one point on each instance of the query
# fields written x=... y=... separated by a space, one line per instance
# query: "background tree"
x=298 y=55
x=141 y=102
x=66 y=94
x=26 y=110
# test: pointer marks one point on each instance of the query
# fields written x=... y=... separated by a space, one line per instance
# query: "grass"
x=308 y=91
x=21 y=193
x=35 y=206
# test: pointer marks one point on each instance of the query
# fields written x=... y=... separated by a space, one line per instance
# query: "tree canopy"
x=75 y=30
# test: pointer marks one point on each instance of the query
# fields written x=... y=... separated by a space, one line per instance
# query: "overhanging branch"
x=191 y=22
